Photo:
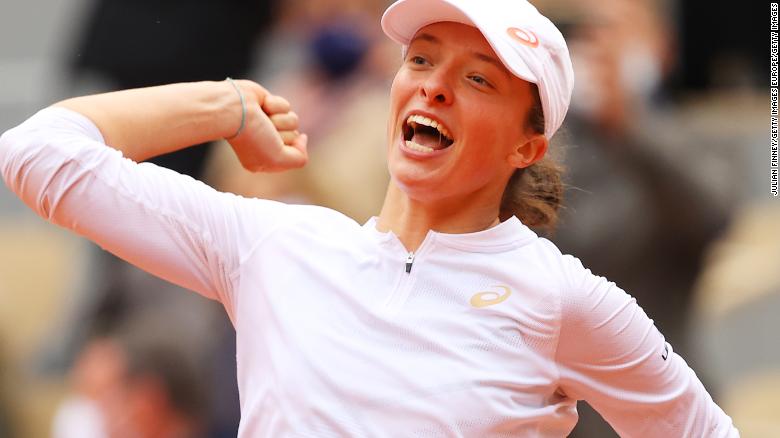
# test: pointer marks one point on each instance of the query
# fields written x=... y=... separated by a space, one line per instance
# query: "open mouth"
x=423 y=134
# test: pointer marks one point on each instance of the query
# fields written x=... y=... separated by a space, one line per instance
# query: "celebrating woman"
x=445 y=315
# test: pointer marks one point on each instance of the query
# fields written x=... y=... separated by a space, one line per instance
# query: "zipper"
x=402 y=288
x=406 y=279
x=409 y=261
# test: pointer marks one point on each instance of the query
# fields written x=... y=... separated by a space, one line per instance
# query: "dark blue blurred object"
x=338 y=49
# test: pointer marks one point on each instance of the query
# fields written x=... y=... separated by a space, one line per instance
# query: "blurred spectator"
x=638 y=211
x=622 y=161
x=340 y=95
x=137 y=382
x=201 y=328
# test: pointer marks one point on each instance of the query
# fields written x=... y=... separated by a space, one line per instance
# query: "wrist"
x=224 y=109
x=242 y=102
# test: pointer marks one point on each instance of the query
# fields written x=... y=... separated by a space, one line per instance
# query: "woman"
x=433 y=319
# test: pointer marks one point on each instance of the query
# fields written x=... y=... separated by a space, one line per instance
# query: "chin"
x=416 y=185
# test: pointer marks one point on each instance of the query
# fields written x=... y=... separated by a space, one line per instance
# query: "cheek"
x=401 y=91
x=403 y=87
x=393 y=91
x=493 y=135
x=394 y=101
x=487 y=129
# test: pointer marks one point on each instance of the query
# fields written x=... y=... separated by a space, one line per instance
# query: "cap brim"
x=402 y=20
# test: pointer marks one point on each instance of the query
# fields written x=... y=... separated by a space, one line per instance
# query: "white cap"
x=529 y=44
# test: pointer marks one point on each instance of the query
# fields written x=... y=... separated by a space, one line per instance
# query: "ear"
x=529 y=152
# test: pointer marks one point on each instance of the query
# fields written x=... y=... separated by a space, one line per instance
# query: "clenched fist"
x=269 y=141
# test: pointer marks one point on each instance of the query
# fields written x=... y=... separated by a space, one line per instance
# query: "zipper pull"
x=409 y=261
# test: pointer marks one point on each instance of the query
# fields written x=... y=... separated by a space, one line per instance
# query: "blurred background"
x=665 y=145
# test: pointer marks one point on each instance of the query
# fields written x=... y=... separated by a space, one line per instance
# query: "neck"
x=410 y=219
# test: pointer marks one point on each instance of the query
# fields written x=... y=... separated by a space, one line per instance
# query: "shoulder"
x=539 y=271
x=322 y=218
x=587 y=300
x=566 y=280
x=294 y=231
x=546 y=259
x=309 y=219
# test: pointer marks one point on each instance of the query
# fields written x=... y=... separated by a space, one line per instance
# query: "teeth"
x=422 y=120
x=418 y=147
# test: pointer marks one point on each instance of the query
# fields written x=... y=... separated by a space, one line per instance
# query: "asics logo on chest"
x=489 y=298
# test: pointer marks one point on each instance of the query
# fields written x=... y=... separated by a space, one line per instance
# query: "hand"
x=270 y=141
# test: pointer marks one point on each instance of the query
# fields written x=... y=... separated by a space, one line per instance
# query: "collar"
x=505 y=236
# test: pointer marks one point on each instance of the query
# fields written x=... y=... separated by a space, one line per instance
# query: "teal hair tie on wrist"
x=243 y=109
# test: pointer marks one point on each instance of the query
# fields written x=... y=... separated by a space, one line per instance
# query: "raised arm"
x=611 y=355
x=146 y=122
x=168 y=224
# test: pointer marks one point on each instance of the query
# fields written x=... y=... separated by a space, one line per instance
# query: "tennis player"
x=445 y=316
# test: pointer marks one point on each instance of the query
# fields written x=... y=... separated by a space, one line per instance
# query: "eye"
x=477 y=79
x=418 y=60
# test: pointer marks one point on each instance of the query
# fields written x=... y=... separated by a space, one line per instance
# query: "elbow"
x=20 y=172
x=9 y=167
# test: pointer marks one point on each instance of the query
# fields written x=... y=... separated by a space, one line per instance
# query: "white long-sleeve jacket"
x=342 y=333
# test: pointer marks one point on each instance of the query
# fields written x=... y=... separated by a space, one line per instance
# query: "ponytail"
x=535 y=193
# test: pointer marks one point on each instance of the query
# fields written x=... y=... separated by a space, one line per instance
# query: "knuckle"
x=300 y=163
x=273 y=161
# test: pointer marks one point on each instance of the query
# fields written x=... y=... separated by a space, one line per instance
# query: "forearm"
x=146 y=122
x=611 y=355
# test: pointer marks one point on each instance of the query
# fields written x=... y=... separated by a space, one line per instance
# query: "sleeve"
x=612 y=355
x=168 y=224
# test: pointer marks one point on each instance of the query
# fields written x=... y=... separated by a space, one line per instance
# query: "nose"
x=436 y=88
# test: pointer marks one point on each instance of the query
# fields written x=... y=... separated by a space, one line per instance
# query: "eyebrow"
x=478 y=55
x=425 y=37
x=492 y=60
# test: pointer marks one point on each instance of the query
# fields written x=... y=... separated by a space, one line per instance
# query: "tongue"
x=429 y=140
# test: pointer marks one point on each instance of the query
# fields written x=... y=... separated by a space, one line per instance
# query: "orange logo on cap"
x=524 y=36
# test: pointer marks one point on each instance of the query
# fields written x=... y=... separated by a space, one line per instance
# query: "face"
x=457 y=122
